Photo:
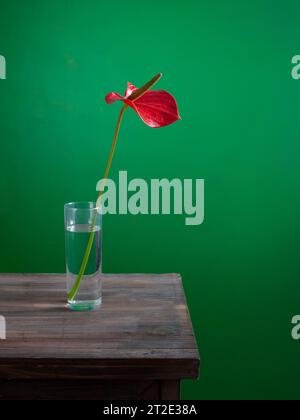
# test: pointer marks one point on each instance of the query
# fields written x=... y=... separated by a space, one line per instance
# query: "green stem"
x=136 y=95
x=72 y=294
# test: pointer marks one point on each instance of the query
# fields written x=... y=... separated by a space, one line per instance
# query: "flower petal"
x=157 y=108
x=112 y=97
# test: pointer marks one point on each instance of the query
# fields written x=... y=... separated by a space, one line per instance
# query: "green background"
x=228 y=63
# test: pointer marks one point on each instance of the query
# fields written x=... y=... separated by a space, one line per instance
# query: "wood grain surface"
x=141 y=332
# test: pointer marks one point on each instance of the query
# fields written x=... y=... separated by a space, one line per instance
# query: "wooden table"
x=138 y=345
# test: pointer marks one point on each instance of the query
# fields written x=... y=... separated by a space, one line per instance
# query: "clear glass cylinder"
x=82 y=219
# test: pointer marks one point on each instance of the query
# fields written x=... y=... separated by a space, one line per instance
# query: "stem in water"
x=133 y=97
x=72 y=294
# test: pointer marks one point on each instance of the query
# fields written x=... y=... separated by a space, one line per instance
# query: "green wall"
x=228 y=63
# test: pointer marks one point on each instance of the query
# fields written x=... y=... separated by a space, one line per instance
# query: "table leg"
x=170 y=390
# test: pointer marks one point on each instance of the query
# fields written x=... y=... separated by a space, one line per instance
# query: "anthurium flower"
x=157 y=108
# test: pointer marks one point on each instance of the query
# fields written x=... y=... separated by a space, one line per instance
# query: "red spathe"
x=157 y=108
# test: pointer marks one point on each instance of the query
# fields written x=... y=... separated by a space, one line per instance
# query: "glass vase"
x=82 y=219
